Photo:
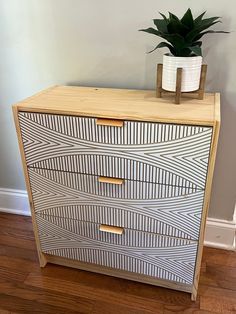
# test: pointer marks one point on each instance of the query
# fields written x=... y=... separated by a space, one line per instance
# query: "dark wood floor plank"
x=218 y=305
x=221 y=272
x=219 y=276
x=225 y=284
x=216 y=292
x=15 y=263
x=109 y=308
x=118 y=285
x=18 y=252
x=179 y=310
x=85 y=278
x=16 y=275
x=15 y=221
x=25 y=233
x=214 y=256
x=217 y=299
x=17 y=243
x=16 y=240
x=43 y=296
x=166 y=296
x=6 y=312
x=188 y=308
x=30 y=307
x=95 y=294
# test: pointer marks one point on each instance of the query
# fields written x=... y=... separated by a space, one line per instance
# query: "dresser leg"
x=194 y=295
x=42 y=260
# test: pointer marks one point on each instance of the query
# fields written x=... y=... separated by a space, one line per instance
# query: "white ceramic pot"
x=190 y=75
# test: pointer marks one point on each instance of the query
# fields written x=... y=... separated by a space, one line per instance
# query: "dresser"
x=119 y=181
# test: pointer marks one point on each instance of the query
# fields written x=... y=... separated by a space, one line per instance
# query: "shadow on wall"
x=224 y=183
x=220 y=69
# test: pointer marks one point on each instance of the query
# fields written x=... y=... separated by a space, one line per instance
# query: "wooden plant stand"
x=178 y=93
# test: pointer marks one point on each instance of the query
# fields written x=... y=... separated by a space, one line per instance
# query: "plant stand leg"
x=159 y=80
x=202 y=82
x=178 y=85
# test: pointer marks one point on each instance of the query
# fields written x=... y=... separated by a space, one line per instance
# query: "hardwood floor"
x=26 y=288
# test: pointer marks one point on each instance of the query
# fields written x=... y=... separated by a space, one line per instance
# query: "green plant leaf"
x=151 y=30
x=176 y=40
x=199 y=18
x=164 y=45
x=164 y=17
x=172 y=16
x=197 y=43
x=206 y=23
x=183 y=35
x=196 y=50
x=161 y=25
x=191 y=36
x=176 y=27
x=187 y=19
x=210 y=32
x=185 y=52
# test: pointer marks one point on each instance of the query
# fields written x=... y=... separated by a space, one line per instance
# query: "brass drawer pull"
x=109 y=122
x=110 y=180
x=111 y=229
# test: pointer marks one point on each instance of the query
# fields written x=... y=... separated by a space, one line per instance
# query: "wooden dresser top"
x=123 y=104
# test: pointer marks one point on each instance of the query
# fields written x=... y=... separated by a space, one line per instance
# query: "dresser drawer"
x=134 y=251
x=153 y=152
x=168 y=210
x=89 y=185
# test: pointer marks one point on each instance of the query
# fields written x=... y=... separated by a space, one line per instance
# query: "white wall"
x=89 y=42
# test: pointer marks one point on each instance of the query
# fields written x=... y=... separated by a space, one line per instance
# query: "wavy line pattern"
x=134 y=251
x=159 y=205
x=129 y=190
x=159 y=153
x=84 y=128
x=60 y=194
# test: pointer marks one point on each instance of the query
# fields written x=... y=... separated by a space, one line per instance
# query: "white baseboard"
x=14 y=202
x=219 y=233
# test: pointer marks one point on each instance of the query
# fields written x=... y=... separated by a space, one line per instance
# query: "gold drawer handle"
x=109 y=122
x=110 y=180
x=111 y=229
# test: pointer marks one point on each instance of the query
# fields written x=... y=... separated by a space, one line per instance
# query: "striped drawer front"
x=168 y=210
x=153 y=152
x=134 y=251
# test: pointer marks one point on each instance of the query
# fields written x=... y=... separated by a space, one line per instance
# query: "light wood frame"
x=41 y=256
x=45 y=258
x=214 y=143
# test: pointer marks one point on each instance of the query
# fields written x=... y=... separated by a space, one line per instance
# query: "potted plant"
x=183 y=39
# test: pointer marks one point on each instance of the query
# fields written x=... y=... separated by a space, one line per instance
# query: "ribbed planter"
x=190 y=76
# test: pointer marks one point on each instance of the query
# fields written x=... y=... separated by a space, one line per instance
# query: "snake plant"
x=182 y=35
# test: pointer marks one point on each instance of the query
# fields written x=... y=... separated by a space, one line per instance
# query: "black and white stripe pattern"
x=174 y=212
x=129 y=190
x=134 y=132
x=135 y=251
x=159 y=153
x=159 y=205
